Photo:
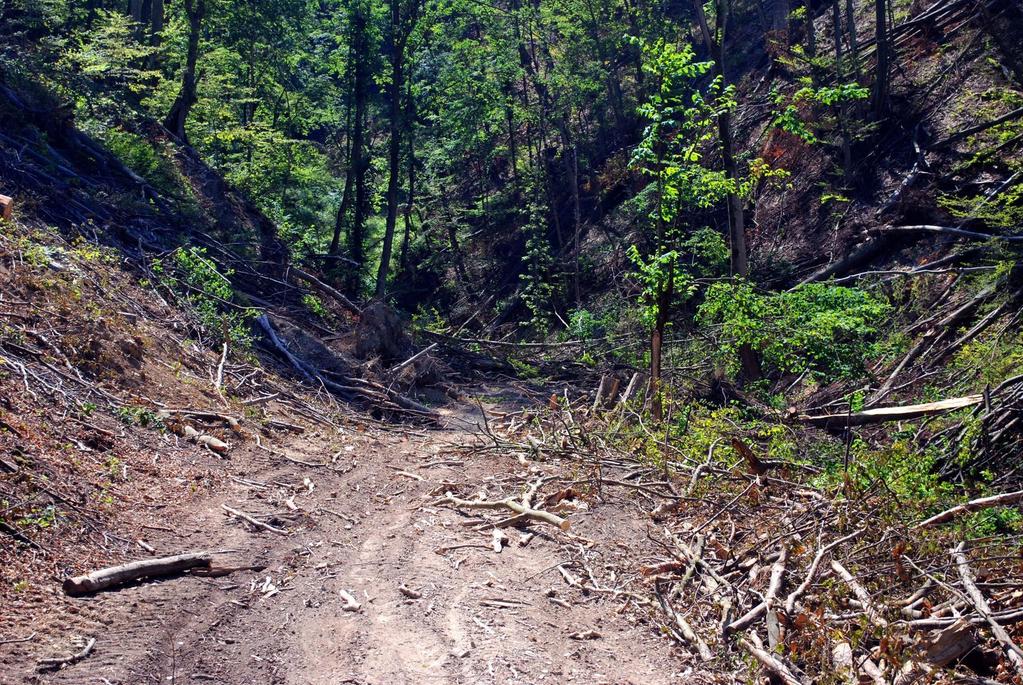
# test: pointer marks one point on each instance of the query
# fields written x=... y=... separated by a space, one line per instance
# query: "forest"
x=511 y=341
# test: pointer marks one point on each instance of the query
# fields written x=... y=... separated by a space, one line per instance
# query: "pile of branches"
x=758 y=568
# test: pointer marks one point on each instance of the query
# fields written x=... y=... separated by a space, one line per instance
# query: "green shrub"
x=823 y=329
x=210 y=294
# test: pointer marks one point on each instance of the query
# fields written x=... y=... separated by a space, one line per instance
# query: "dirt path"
x=481 y=618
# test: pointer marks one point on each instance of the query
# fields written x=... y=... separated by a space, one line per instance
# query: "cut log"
x=882 y=415
x=607 y=389
x=136 y=570
x=6 y=207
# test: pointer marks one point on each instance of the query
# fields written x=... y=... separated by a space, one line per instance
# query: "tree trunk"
x=879 y=103
x=736 y=220
x=836 y=16
x=397 y=48
x=410 y=108
x=854 y=52
x=178 y=115
x=341 y=218
x=811 y=30
x=360 y=163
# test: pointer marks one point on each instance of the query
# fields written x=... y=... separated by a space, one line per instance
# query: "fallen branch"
x=250 y=519
x=903 y=413
x=687 y=634
x=324 y=288
x=967 y=132
x=790 y=601
x=525 y=512
x=861 y=594
x=952 y=231
x=136 y=570
x=769 y=662
x=53 y=663
x=1002 y=500
x=1012 y=651
x=777 y=571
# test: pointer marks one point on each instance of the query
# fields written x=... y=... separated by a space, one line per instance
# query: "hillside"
x=574 y=341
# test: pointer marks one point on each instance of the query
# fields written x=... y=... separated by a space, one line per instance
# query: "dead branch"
x=790 y=601
x=53 y=663
x=967 y=132
x=770 y=663
x=861 y=594
x=136 y=570
x=980 y=504
x=252 y=520
x=903 y=413
x=525 y=511
x=777 y=571
x=952 y=231
x=687 y=634
x=326 y=289
x=1012 y=651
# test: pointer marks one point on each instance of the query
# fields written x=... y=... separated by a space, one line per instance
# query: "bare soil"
x=368 y=525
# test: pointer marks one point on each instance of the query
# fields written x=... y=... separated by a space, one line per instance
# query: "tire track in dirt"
x=481 y=618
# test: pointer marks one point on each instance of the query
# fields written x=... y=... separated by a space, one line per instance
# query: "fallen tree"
x=147 y=568
x=901 y=413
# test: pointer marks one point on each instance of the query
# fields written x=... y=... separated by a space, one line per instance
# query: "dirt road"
x=368 y=524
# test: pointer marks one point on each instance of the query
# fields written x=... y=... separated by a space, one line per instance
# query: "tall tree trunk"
x=577 y=219
x=714 y=41
x=452 y=229
x=341 y=219
x=879 y=97
x=846 y=146
x=811 y=30
x=187 y=97
x=397 y=48
x=850 y=27
x=410 y=109
x=360 y=162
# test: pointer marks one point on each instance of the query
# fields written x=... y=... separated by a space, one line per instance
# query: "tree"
x=359 y=160
x=879 y=97
x=713 y=40
x=195 y=11
x=402 y=24
x=680 y=121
